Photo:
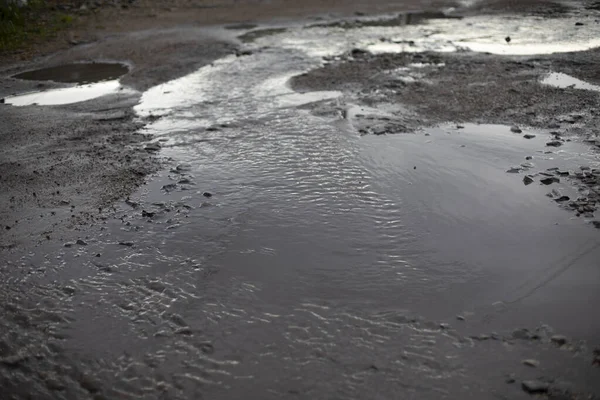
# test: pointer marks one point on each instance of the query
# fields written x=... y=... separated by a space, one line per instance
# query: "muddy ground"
x=63 y=169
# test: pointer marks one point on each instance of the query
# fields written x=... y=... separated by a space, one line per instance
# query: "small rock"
x=579 y=23
x=507 y=39
x=152 y=147
x=531 y=363
x=207 y=194
x=554 y=143
x=562 y=199
x=444 y=326
x=169 y=187
x=559 y=339
x=184 y=181
x=596 y=224
x=148 y=214
x=529 y=158
x=533 y=387
x=460 y=127
x=81 y=242
x=128 y=244
x=184 y=331
x=515 y=129
x=528 y=136
x=514 y=170
x=98 y=255
x=460 y=318
x=510 y=380
x=69 y=244
x=550 y=180
x=527 y=180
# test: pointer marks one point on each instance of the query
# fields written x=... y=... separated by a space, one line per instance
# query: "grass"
x=37 y=21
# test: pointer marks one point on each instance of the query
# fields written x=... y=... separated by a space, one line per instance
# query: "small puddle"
x=564 y=81
x=68 y=95
x=93 y=79
x=76 y=73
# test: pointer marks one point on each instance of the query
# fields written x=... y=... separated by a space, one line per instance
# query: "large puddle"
x=80 y=73
x=285 y=254
x=93 y=80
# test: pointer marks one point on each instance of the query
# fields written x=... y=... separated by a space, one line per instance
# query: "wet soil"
x=292 y=247
x=469 y=87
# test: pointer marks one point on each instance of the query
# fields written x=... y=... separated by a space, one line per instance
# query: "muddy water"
x=285 y=255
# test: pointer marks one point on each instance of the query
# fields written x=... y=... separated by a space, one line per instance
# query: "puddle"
x=68 y=95
x=76 y=73
x=528 y=35
x=564 y=81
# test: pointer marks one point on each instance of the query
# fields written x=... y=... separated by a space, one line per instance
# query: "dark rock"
x=562 y=199
x=128 y=244
x=535 y=386
x=559 y=339
x=69 y=244
x=596 y=224
x=169 y=187
x=149 y=214
x=152 y=147
x=527 y=180
x=81 y=242
x=515 y=129
x=184 y=331
x=2 y=101
x=529 y=158
x=528 y=136
x=562 y=173
x=460 y=318
x=207 y=194
x=507 y=39
x=184 y=181
x=550 y=180
x=554 y=143
x=579 y=24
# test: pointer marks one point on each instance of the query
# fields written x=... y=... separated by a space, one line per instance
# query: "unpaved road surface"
x=317 y=207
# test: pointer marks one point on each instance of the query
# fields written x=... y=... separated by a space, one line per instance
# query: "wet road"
x=285 y=255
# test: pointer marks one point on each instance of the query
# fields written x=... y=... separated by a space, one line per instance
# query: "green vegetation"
x=20 y=26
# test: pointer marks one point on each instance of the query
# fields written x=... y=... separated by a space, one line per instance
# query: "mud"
x=469 y=87
x=361 y=230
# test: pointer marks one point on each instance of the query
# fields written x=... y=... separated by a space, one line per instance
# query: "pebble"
x=529 y=158
x=562 y=198
x=81 y=242
x=554 y=143
x=528 y=136
x=527 y=180
x=559 y=339
x=531 y=363
x=550 y=180
x=152 y=147
x=460 y=318
x=207 y=194
x=514 y=170
x=535 y=386
x=515 y=129
x=128 y=244
x=507 y=39
x=69 y=244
